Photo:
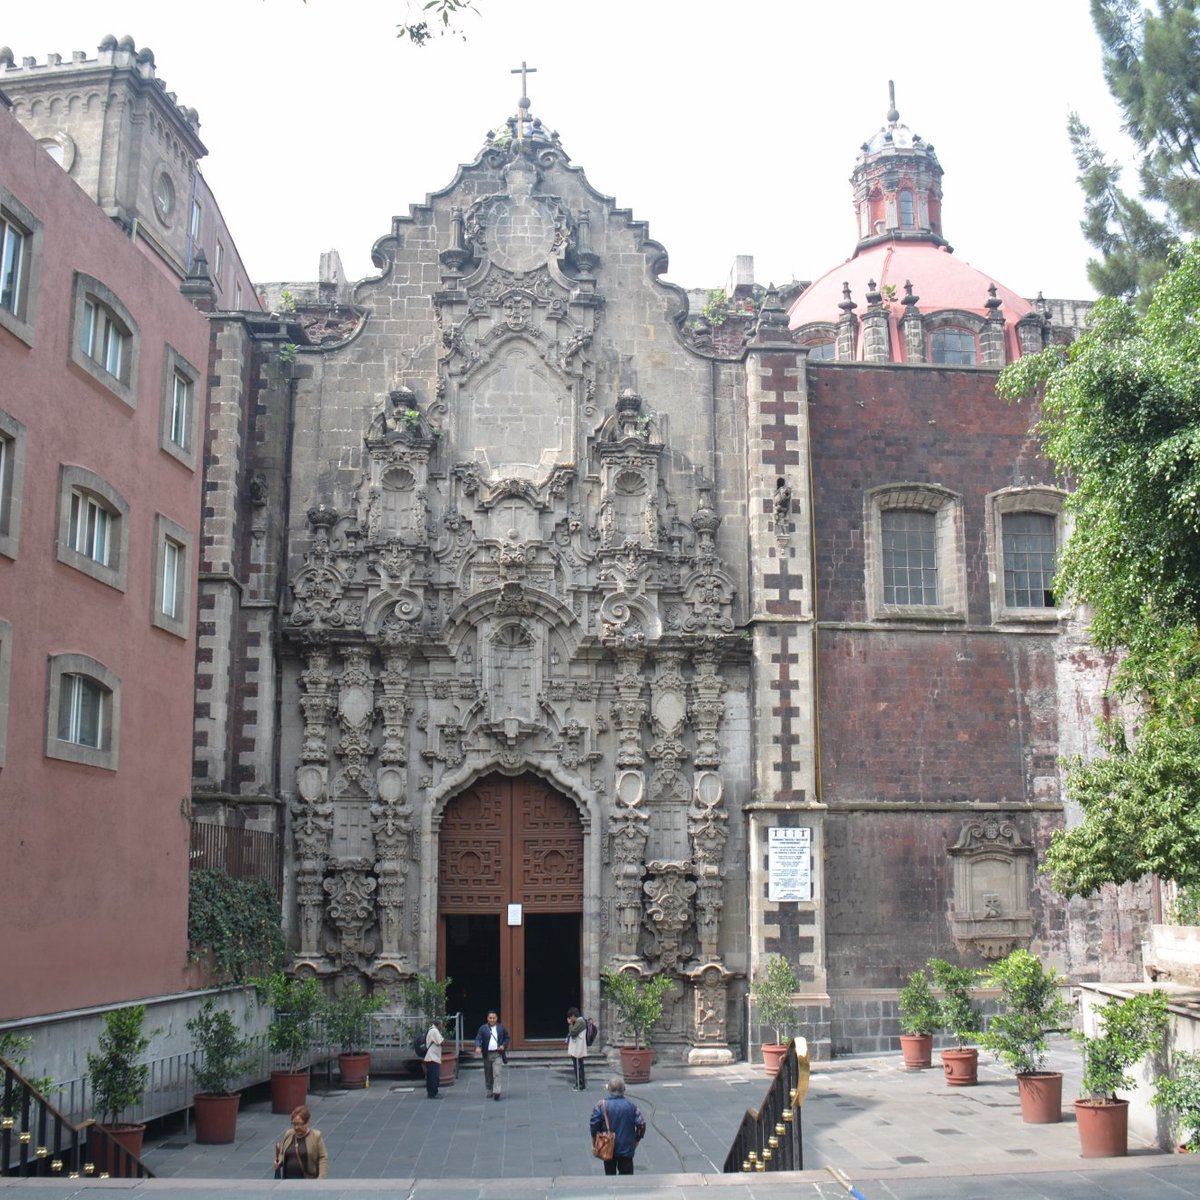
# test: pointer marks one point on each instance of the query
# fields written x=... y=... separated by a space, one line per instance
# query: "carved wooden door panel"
x=508 y=842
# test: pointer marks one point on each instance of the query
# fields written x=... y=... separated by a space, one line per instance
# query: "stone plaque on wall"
x=789 y=865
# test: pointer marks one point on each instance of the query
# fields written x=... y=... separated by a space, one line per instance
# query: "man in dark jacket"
x=492 y=1041
x=625 y=1120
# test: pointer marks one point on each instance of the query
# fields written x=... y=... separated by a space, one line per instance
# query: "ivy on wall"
x=235 y=923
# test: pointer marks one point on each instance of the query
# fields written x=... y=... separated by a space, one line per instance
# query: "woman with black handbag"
x=301 y=1154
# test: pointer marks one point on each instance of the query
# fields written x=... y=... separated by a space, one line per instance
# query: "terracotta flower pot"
x=1041 y=1097
x=1103 y=1128
x=216 y=1117
x=917 y=1049
x=288 y=1090
x=353 y=1069
x=773 y=1055
x=449 y=1070
x=107 y=1161
x=961 y=1067
x=635 y=1064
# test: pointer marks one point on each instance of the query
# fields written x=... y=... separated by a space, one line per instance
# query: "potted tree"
x=920 y=1018
x=1128 y=1027
x=221 y=1055
x=960 y=1017
x=773 y=992
x=118 y=1082
x=427 y=998
x=1031 y=1005
x=347 y=1025
x=292 y=1033
x=639 y=1005
x=1179 y=1093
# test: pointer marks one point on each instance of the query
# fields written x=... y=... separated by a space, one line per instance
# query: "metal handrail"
x=36 y=1139
x=768 y=1138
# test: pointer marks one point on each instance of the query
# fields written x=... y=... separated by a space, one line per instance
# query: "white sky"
x=731 y=128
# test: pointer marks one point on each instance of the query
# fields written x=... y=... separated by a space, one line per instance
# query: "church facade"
x=557 y=628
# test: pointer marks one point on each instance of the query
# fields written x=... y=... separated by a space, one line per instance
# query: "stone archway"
x=510 y=904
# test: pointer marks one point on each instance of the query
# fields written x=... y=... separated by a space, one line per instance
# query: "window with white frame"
x=93 y=526
x=194 y=222
x=12 y=473
x=83 y=710
x=1025 y=534
x=20 y=260
x=181 y=382
x=105 y=338
x=171 y=598
x=915 y=561
x=219 y=263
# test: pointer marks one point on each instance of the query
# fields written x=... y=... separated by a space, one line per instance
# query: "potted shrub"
x=427 y=998
x=292 y=1033
x=347 y=1026
x=773 y=992
x=639 y=1005
x=920 y=1019
x=118 y=1082
x=221 y=1055
x=1128 y=1029
x=1031 y=1005
x=960 y=1017
x=1179 y=1093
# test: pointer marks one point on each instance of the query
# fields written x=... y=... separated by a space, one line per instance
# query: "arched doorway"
x=510 y=905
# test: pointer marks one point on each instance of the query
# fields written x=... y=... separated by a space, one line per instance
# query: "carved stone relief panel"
x=991 y=887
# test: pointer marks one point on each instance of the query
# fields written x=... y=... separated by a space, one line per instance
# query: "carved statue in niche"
x=991 y=910
x=710 y=1002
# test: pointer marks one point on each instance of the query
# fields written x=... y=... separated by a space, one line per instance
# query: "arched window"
x=84 y=710
x=822 y=351
x=956 y=347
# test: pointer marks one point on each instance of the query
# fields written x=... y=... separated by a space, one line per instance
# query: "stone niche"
x=991 y=913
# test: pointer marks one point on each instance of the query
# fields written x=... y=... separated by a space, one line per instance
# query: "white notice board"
x=789 y=864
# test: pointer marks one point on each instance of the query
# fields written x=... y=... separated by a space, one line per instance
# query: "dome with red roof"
x=903 y=296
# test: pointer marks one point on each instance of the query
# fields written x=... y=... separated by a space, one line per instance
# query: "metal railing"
x=769 y=1137
x=241 y=853
x=37 y=1139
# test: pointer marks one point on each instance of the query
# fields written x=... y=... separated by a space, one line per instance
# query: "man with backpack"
x=580 y=1035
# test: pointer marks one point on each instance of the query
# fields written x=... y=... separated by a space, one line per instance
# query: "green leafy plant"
x=716 y=306
x=287 y=302
x=117 y=1077
x=1129 y=1029
x=441 y=12
x=1179 y=1092
x=236 y=922
x=1031 y=1006
x=296 y=1006
x=15 y=1048
x=288 y=352
x=639 y=1003
x=1185 y=908
x=773 y=991
x=960 y=1015
x=920 y=1011
x=346 y=1016
x=426 y=998
x=221 y=1052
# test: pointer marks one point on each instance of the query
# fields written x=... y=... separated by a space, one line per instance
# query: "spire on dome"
x=897 y=184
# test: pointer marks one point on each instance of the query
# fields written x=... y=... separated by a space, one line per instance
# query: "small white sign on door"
x=514 y=914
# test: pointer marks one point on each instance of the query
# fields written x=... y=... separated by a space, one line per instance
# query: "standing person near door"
x=433 y=1060
x=624 y=1118
x=492 y=1041
x=577 y=1047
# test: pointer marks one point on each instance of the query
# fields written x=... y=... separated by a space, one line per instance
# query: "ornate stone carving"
x=319 y=588
x=392 y=830
x=356 y=713
x=668 y=709
x=317 y=704
x=707 y=832
x=669 y=911
x=628 y=831
x=351 y=912
x=394 y=706
x=710 y=1006
x=628 y=711
x=312 y=830
x=991 y=887
x=707 y=709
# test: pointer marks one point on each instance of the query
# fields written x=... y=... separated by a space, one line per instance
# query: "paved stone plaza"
x=897 y=1136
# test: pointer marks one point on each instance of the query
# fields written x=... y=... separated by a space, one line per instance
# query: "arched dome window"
x=953 y=346
x=825 y=351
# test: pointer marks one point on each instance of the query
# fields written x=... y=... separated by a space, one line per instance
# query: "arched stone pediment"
x=481 y=607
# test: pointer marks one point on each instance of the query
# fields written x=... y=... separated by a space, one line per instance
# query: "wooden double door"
x=510 y=906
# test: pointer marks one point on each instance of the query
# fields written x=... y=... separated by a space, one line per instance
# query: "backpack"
x=592 y=1031
x=420 y=1047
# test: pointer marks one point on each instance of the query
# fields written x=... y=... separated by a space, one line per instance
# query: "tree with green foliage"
x=1152 y=67
x=436 y=19
x=1121 y=418
x=235 y=923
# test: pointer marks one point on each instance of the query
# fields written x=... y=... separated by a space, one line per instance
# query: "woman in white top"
x=433 y=1060
x=577 y=1046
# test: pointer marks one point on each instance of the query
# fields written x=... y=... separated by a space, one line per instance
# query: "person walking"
x=433 y=1060
x=624 y=1118
x=492 y=1041
x=301 y=1154
x=577 y=1047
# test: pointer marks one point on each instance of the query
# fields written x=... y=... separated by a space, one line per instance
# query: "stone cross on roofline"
x=524 y=70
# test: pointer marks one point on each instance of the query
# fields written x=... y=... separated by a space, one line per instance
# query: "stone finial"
x=874 y=295
x=993 y=302
x=908 y=299
x=772 y=323
x=107 y=42
x=846 y=304
x=893 y=114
